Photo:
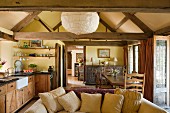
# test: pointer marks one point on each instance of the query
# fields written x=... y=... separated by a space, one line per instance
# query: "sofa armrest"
x=37 y=107
x=149 y=107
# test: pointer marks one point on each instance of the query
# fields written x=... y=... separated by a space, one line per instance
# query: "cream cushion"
x=91 y=102
x=70 y=101
x=112 y=103
x=71 y=112
x=132 y=100
x=50 y=101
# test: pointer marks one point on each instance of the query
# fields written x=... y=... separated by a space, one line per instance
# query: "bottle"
x=50 y=69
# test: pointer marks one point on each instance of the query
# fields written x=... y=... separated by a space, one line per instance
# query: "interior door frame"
x=57 y=78
x=168 y=63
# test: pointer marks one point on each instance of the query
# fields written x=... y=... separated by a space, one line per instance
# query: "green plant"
x=32 y=65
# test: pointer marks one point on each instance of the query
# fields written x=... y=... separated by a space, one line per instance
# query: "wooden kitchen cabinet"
x=2 y=103
x=19 y=97
x=29 y=91
x=11 y=101
x=3 y=90
x=42 y=83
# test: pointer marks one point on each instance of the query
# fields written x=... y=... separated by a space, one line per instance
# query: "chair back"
x=135 y=82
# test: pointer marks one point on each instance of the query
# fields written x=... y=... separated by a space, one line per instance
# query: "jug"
x=10 y=71
x=50 y=69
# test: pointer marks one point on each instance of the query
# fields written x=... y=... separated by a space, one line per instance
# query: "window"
x=133 y=57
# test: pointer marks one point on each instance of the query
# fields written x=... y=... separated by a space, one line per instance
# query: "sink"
x=22 y=82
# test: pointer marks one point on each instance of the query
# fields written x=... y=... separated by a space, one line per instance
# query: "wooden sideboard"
x=90 y=78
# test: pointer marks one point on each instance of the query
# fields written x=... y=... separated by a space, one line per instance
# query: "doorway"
x=161 y=71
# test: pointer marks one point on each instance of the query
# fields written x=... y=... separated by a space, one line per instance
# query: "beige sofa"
x=145 y=107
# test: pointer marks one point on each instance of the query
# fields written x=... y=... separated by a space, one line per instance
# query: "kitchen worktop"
x=15 y=76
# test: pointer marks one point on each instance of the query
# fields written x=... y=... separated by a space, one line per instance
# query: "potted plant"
x=33 y=67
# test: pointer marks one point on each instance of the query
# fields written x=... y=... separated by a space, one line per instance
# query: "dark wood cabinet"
x=42 y=83
x=90 y=78
x=76 y=68
x=81 y=73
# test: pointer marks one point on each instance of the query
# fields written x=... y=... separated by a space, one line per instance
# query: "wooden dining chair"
x=135 y=82
x=101 y=82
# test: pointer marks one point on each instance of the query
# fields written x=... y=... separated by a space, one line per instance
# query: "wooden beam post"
x=25 y=21
x=139 y=23
x=162 y=31
x=72 y=37
x=86 y=5
x=107 y=26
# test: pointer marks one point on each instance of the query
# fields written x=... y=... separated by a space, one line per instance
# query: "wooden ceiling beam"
x=139 y=23
x=121 y=23
x=57 y=26
x=7 y=37
x=162 y=31
x=25 y=21
x=96 y=43
x=44 y=24
x=70 y=36
x=107 y=26
x=86 y=5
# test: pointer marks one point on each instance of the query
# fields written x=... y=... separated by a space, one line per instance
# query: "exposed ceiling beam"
x=96 y=43
x=70 y=36
x=7 y=37
x=57 y=26
x=139 y=23
x=86 y=5
x=106 y=25
x=25 y=21
x=121 y=23
x=162 y=31
x=44 y=24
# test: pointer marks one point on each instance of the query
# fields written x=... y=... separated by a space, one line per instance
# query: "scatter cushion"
x=71 y=112
x=70 y=101
x=59 y=91
x=50 y=101
x=112 y=103
x=91 y=102
x=132 y=100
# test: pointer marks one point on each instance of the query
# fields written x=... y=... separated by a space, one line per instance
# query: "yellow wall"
x=91 y=51
x=6 y=53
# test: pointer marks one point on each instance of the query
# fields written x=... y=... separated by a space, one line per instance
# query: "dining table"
x=115 y=81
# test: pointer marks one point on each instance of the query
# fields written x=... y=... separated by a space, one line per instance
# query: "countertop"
x=15 y=76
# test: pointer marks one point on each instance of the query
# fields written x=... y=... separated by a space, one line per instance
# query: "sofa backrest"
x=80 y=90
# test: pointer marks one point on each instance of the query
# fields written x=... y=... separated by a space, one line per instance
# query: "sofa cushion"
x=71 y=112
x=50 y=101
x=132 y=100
x=70 y=101
x=91 y=102
x=112 y=103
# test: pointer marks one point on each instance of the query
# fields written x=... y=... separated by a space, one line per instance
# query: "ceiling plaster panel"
x=51 y=18
x=111 y=18
x=129 y=27
x=155 y=21
x=9 y=19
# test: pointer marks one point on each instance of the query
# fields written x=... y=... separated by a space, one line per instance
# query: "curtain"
x=146 y=66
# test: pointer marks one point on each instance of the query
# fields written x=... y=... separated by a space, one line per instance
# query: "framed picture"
x=103 y=53
x=36 y=43
x=79 y=57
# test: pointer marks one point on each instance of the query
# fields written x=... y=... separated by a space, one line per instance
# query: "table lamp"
x=115 y=60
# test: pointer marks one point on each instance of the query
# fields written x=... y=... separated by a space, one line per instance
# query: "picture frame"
x=103 y=53
x=36 y=43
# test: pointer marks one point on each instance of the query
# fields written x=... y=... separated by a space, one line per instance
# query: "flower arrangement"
x=115 y=71
x=2 y=63
x=80 y=60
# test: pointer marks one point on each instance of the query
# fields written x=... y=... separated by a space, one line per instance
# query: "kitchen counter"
x=16 y=76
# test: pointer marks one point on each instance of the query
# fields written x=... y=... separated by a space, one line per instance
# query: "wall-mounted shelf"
x=18 y=57
x=32 y=48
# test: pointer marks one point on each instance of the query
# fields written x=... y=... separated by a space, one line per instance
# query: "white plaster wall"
x=74 y=58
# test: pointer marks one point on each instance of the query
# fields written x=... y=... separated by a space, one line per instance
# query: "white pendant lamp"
x=80 y=22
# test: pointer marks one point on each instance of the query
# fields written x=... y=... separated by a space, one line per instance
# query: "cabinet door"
x=26 y=96
x=42 y=83
x=20 y=97
x=2 y=104
x=30 y=90
x=10 y=101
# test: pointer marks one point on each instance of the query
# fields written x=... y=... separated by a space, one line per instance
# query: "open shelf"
x=32 y=48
